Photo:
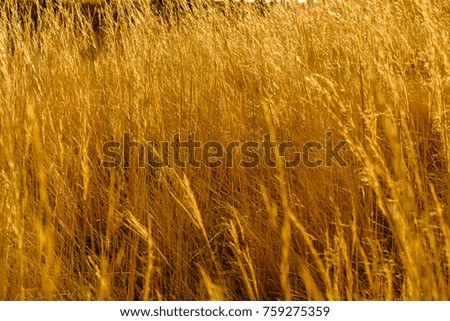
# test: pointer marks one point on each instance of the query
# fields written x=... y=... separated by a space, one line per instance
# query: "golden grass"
x=375 y=73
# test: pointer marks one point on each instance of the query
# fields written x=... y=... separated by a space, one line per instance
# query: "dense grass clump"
x=373 y=73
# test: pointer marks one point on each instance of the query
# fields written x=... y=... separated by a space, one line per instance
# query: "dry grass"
x=376 y=73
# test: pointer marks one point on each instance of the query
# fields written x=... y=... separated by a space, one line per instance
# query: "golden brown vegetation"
x=375 y=73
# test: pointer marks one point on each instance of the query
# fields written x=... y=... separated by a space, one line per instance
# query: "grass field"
x=373 y=73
